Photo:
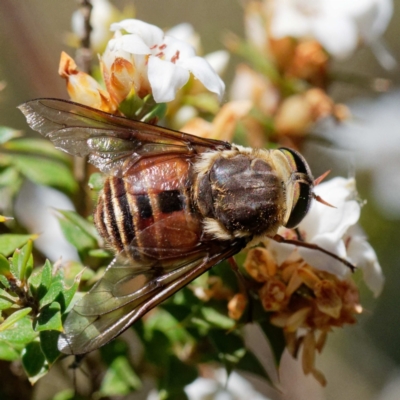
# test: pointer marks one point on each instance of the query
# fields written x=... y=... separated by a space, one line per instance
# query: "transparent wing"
x=107 y=139
x=127 y=291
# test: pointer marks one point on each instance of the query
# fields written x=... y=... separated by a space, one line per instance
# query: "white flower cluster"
x=339 y=25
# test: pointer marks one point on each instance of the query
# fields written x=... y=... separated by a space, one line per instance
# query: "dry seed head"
x=273 y=296
x=309 y=62
x=327 y=298
x=260 y=264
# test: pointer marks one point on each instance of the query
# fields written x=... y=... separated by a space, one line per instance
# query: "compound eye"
x=302 y=194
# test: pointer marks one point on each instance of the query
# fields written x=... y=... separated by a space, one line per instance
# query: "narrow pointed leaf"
x=19 y=334
x=37 y=147
x=4 y=266
x=13 y=318
x=7 y=352
x=120 y=378
x=46 y=172
x=33 y=360
x=8 y=133
x=48 y=343
x=49 y=318
x=9 y=242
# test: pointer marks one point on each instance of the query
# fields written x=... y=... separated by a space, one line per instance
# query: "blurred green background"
x=360 y=362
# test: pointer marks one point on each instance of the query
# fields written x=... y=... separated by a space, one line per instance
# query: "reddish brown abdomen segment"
x=149 y=209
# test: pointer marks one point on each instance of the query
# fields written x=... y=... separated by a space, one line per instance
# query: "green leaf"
x=35 y=280
x=275 y=337
x=163 y=321
x=250 y=363
x=46 y=172
x=174 y=394
x=46 y=275
x=158 y=112
x=179 y=311
x=4 y=281
x=9 y=242
x=8 y=133
x=216 y=319
x=25 y=261
x=120 y=378
x=40 y=280
x=33 y=360
x=52 y=288
x=8 y=177
x=72 y=269
x=79 y=232
x=7 y=352
x=130 y=105
x=230 y=347
x=69 y=293
x=82 y=223
x=14 y=318
x=67 y=394
x=100 y=253
x=49 y=318
x=112 y=350
x=6 y=300
x=4 y=266
x=205 y=102
x=48 y=343
x=20 y=334
x=176 y=376
x=14 y=267
x=157 y=348
x=37 y=147
x=54 y=293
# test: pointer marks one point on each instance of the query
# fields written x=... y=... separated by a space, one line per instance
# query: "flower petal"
x=363 y=255
x=150 y=34
x=218 y=60
x=133 y=44
x=175 y=49
x=186 y=33
x=322 y=219
x=203 y=71
x=338 y=35
x=288 y=21
x=165 y=79
x=324 y=262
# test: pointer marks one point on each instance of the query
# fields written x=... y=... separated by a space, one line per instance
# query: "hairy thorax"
x=239 y=193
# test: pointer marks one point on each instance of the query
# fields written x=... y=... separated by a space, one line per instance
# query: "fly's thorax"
x=240 y=192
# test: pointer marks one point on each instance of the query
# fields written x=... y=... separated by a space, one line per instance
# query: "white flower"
x=161 y=64
x=339 y=25
x=222 y=387
x=336 y=230
x=219 y=387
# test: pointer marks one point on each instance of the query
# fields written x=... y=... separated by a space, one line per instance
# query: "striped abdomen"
x=149 y=210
